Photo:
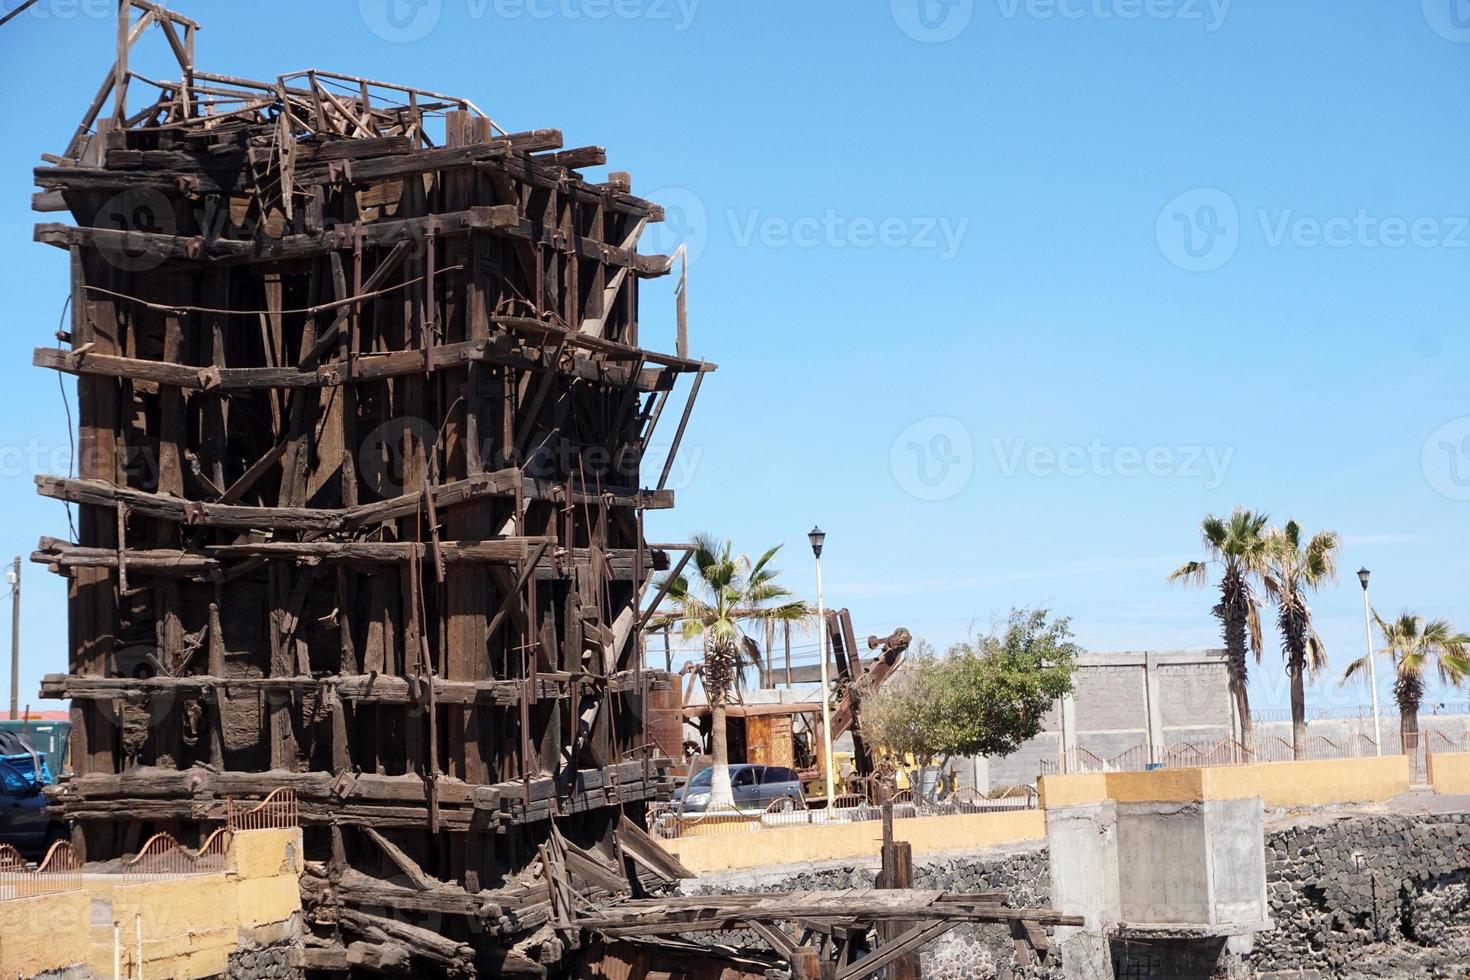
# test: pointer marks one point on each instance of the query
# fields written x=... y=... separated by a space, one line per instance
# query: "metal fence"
x=164 y=857
x=667 y=822
x=278 y=811
x=59 y=871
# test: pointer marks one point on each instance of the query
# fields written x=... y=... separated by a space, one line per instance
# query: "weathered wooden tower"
x=362 y=409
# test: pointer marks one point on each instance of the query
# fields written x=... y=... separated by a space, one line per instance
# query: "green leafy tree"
x=725 y=592
x=1237 y=544
x=1294 y=567
x=979 y=698
x=1411 y=642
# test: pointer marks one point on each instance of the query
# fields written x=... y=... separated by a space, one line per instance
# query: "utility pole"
x=14 y=579
x=1363 y=574
x=816 y=537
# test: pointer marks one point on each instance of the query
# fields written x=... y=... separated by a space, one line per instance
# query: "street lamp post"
x=817 y=536
x=1363 y=574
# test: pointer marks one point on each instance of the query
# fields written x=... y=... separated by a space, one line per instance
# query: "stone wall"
x=1368 y=895
x=1357 y=895
x=265 y=963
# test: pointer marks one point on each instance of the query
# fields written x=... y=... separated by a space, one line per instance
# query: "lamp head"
x=1363 y=574
x=816 y=536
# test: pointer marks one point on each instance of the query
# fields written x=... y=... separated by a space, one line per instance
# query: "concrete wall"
x=191 y=927
x=1449 y=772
x=804 y=843
x=29 y=941
x=1128 y=703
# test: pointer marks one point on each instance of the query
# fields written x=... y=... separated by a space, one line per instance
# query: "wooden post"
x=898 y=872
x=805 y=965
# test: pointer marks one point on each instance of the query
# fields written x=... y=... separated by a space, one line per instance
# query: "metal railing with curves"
x=164 y=857
x=59 y=871
x=278 y=811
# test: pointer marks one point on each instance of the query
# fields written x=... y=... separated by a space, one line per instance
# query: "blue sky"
x=1006 y=295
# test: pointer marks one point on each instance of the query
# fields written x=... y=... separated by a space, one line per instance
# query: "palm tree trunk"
x=719 y=789
x=1298 y=708
x=1408 y=692
x=1243 y=709
x=1409 y=728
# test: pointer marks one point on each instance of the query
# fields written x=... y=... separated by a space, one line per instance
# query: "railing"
x=59 y=871
x=278 y=811
x=164 y=857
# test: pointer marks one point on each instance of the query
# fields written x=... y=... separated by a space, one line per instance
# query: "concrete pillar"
x=1155 y=707
x=1067 y=744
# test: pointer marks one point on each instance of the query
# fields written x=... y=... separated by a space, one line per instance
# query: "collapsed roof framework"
x=362 y=410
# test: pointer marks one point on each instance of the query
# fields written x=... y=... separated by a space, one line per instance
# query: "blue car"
x=25 y=820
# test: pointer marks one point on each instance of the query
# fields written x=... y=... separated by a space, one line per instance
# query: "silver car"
x=754 y=788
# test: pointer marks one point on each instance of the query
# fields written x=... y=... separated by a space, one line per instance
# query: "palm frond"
x=1191 y=573
x=1360 y=664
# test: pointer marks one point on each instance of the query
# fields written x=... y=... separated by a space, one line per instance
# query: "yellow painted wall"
x=190 y=925
x=30 y=941
x=1307 y=783
x=1449 y=772
x=825 y=842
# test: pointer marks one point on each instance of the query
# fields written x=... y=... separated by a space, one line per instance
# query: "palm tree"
x=726 y=591
x=1411 y=642
x=1293 y=569
x=1238 y=545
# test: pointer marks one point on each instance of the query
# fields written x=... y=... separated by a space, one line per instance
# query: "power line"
x=16 y=12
